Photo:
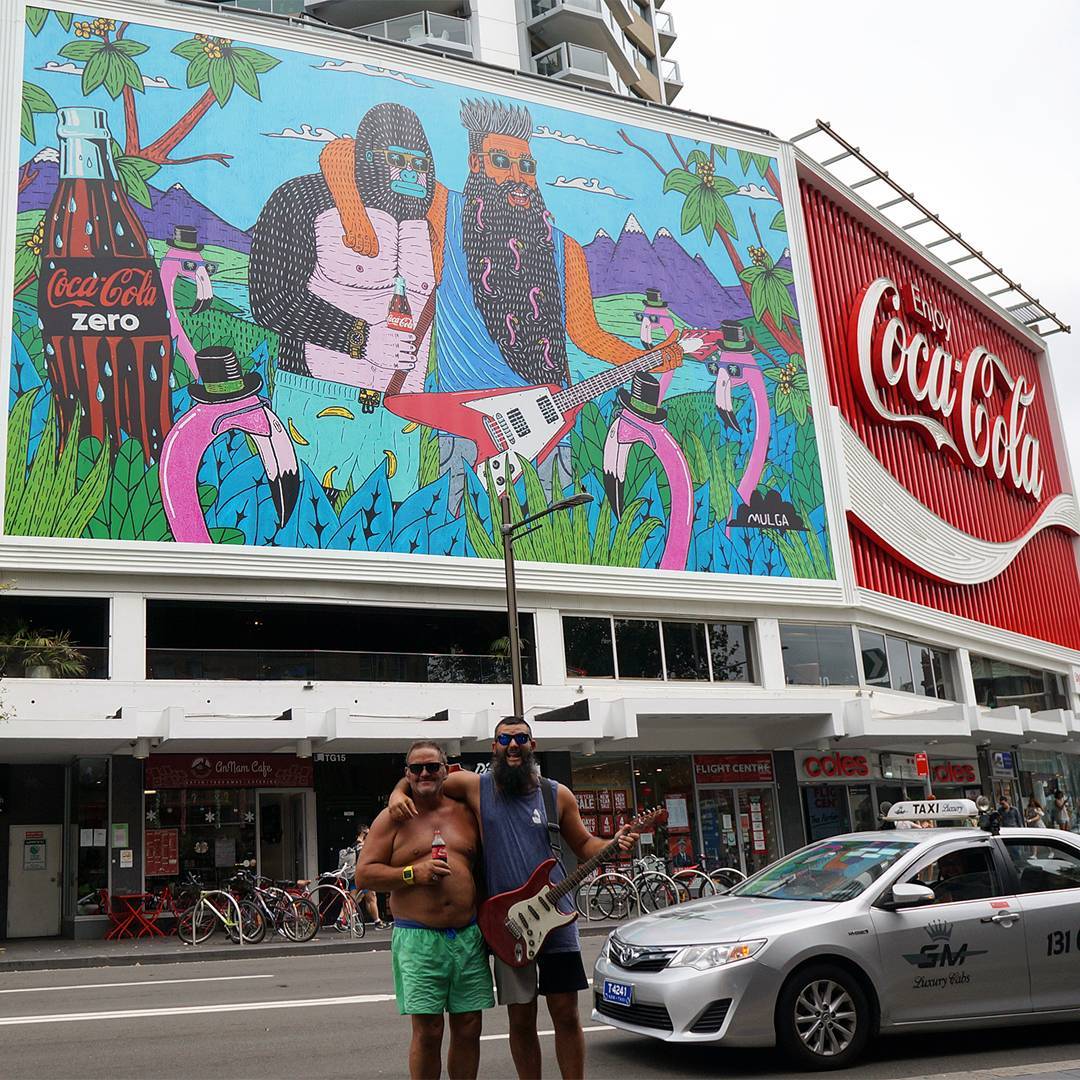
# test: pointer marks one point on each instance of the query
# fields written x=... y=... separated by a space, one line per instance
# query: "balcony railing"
x=331 y=666
x=277 y=7
x=542 y=7
x=665 y=24
x=424 y=28
x=17 y=663
x=568 y=59
x=669 y=71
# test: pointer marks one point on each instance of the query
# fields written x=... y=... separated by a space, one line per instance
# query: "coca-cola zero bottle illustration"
x=104 y=322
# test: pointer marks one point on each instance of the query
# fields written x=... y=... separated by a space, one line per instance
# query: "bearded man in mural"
x=513 y=286
x=344 y=267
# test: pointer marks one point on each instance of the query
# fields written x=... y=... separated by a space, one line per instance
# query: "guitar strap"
x=551 y=807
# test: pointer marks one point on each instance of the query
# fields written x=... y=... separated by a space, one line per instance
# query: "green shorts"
x=437 y=971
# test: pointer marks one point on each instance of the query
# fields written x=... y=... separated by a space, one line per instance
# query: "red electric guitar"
x=515 y=924
x=512 y=423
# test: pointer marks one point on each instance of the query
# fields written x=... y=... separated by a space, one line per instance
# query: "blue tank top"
x=466 y=357
x=515 y=844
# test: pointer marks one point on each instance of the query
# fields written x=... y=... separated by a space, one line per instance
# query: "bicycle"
x=335 y=884
x=612 y=894
x=242 y=920
x=282 y=903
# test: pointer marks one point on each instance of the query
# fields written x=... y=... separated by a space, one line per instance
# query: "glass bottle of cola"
x=104 y=321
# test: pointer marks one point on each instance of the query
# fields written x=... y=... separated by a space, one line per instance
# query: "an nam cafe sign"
x=972 y=406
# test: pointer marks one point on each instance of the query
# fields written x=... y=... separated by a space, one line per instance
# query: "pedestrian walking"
x=1034 y=814
x=1062 y=812
x=1010 y=816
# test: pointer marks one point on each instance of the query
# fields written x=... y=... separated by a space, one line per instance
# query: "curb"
x=197 y=954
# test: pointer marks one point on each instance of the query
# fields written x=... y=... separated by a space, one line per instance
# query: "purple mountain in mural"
x=635 y=263
x=177 y=206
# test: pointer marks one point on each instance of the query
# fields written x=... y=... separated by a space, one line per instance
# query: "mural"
x=359 y=317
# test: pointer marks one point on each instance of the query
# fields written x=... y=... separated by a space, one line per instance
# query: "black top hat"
x=736 y=338
x=655 y=298
x=185 y=237
x=643 y=399
x=221 y=378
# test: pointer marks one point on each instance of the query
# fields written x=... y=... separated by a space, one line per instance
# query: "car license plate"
x=618 y=993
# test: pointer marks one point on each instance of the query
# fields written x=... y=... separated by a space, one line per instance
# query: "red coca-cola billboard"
x=957 y=498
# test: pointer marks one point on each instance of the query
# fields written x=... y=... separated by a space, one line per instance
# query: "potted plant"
x=41 y=654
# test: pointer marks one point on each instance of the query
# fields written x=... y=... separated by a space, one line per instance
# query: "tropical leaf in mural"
x=223 y=66
x=761 y=162
x=47 y=498
x=587 y=441
x=106 y=63
x=36 y=18
x=806 y=486
x=700 y=557
x=705 y=196
x=790 y=389
x=429 y=456
x=449 y=539
x=769 y=288
x=779 y=222
x=805 y=554
x=366 y=521
x=35 y=102
x=243 y=498
x=313 y=522
x=133 y=173
x=29 y=236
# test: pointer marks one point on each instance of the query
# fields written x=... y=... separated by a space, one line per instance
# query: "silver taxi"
x=869 y=932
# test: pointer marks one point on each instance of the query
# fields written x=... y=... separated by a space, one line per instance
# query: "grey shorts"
x=551 y=973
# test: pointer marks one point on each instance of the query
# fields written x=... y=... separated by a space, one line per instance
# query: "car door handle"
x=1001 y=916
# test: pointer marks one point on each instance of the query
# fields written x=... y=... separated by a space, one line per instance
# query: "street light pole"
x=510 y=532
x=511 y=607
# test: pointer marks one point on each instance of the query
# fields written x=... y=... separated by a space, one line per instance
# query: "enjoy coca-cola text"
x=127 y=287
x=978 y=408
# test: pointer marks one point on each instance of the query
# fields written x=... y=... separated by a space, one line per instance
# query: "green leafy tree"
x=768 y=286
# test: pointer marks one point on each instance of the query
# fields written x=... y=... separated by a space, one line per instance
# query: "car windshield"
x=834 y=870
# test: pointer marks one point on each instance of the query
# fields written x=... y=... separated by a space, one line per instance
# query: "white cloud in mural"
x=588 y=184
x=372 y=70
x=756 y=191
x=307 y=133
x=152 y=82
x=544 y=132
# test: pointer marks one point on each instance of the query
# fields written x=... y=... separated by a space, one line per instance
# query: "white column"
x=965 y=684
x=770 y=658
x=127 y=637
x=495 y=33
x=550 y=660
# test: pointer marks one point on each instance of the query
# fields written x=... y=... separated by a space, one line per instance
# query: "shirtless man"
x=439 y=957
x=510 y=804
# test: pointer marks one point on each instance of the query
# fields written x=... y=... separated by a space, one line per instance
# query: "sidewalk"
x=52 y=954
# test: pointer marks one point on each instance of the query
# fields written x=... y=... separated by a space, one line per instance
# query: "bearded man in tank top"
x=508 y=802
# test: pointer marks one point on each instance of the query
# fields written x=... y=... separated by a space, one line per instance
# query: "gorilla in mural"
x=326 y=253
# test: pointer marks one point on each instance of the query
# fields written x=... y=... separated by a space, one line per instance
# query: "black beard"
x=511 y=260
x=513 y=781
x=385 y=125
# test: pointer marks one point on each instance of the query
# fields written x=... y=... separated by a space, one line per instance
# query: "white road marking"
x=1009 y=1071
x=190 y=1010
x=147 y=982
x=602 y=1027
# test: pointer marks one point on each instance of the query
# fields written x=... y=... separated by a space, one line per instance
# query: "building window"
x=637 y=649
x=90 y=821
x=676 y=650
x=55 y=637
x=999 y=683
x=685 y=651
x=909 y=666
x=587 y=645
x=818 y=655
x=332 y=643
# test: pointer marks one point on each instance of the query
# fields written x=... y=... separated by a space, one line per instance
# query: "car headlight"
x=706 y=957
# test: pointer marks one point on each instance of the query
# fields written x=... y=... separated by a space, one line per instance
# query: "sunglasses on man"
x=430 y=767
x=519 y=738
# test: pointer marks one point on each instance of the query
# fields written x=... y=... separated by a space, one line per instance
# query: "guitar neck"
x=603 y=381
x=572 y=881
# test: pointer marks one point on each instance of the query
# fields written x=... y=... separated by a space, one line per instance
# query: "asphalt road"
x=334 y=1017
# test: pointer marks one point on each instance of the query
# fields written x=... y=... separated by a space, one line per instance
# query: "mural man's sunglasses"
x=399 y=159
x=503 y=161
x=430 y=767
x=519 y=738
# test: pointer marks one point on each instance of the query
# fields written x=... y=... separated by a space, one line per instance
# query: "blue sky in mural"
x=335 y=100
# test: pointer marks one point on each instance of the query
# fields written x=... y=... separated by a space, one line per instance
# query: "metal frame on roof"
x=991 y=280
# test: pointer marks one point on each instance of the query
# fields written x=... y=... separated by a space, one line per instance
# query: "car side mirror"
x=907 y=894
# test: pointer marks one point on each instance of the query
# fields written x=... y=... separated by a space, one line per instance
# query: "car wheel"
x=823 y=1017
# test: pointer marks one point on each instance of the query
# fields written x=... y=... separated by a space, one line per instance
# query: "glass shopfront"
x=843 y=791
x=210 y=814
x=1054 y=779
x=721 y=808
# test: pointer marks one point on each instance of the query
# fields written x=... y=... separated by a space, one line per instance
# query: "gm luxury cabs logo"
x=939 y=953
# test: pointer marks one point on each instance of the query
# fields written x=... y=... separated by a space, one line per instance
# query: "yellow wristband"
x=408 y=876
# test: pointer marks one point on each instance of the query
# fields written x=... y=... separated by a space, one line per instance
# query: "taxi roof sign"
x=933 y=810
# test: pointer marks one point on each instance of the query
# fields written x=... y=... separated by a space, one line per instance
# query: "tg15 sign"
x=973 y=407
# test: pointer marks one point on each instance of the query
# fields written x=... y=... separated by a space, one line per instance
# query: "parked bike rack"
x=203 y=899
x=346 y=902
